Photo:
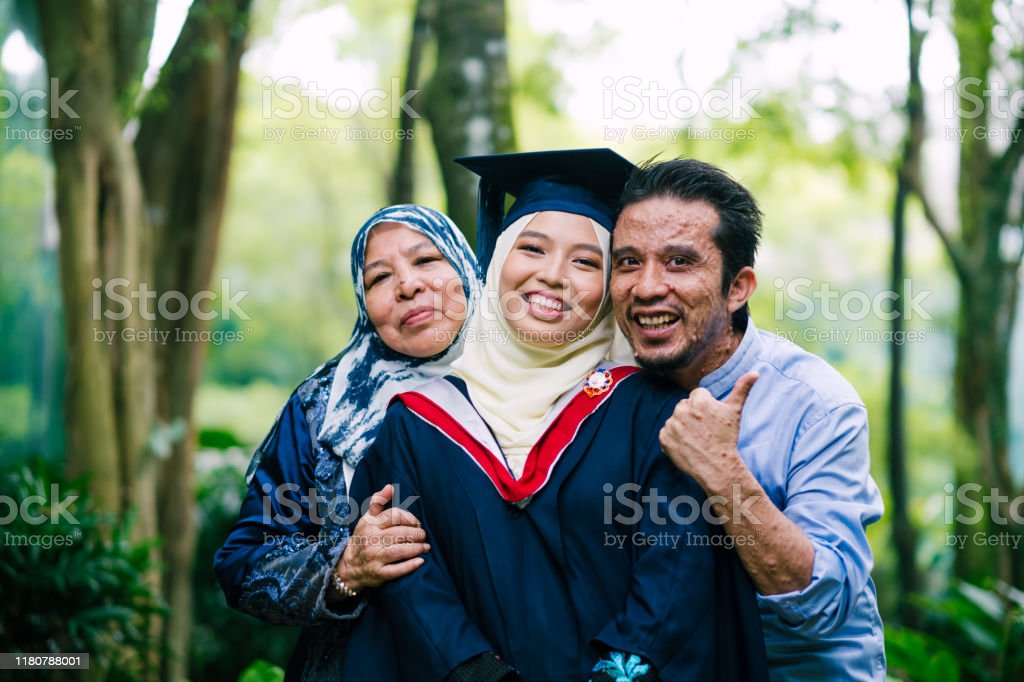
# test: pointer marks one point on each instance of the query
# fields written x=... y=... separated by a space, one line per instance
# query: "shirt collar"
x=743 y=359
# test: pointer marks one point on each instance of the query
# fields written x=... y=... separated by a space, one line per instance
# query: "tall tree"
x=183 y=149
x=468 y=100
x=985 y=252
x=147 y=214
x=903 y=530
x=95 y=56
x=402 y=184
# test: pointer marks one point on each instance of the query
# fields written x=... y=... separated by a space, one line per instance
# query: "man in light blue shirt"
x=775 y=436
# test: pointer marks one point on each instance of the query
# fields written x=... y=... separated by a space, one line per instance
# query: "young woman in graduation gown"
x=292 y=557
x=564 y=545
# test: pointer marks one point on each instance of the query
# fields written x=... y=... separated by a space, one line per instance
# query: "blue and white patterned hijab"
x=369 y=373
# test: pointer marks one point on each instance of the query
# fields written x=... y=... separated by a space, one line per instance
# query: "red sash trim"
x=543 y=456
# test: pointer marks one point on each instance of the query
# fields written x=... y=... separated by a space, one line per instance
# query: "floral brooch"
x=597 y=382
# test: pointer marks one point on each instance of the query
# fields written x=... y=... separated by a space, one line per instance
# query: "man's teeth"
x=545 y=302
x=659 y=321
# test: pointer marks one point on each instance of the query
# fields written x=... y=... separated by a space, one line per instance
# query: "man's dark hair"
x=739 y=219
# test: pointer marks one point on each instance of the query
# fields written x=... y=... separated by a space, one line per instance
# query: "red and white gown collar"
x=441 y=405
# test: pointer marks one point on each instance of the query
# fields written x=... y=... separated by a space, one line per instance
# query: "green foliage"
x=73 y=581
x=225 y=641
x=930 y=659
x=27 y=271
x=5 y=30
x=970 y=633
x=24 y=17
x=218 y=439
x=261 y=671
x=380 y=31
x=792 y=21
x=245 y=412
x=286 y=236
x=15 y=404
x=31 y=353
x=539 y=82
x=535 y=58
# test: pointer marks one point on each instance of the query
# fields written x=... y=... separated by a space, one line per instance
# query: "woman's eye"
x=531 y=248
x=377 y=279
x=427 y=260
x=589 y=262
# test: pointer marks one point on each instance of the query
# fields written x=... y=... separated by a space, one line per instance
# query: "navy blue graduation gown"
x=587 y=565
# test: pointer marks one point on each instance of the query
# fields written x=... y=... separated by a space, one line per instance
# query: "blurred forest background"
x=235 y=146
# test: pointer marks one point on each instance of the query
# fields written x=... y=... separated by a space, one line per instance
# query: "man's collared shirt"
x=804 y=436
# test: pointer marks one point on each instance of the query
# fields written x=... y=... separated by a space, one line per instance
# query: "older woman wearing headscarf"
x=292 y=557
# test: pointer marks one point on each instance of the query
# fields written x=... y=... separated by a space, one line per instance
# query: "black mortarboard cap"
x=586 y=182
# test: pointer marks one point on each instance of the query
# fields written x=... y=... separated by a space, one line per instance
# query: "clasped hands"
x=386 y=544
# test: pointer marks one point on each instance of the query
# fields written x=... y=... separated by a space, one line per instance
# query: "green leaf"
x=218 y=439
x=917 y=655
x=986 y=600
x=943 y=668
x=261 y=671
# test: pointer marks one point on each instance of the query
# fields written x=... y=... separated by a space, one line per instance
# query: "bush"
x=261 y=671
x=224 y=641
x=971 y=633
x=72 y=579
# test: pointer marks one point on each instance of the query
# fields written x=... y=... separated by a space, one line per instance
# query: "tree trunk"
x=110 y=377
x=904 y=534
x=988 y=283
x=989 y=289
x=402 y=188
x=148 y=213
x=903 y=530
x=99 y=207
x=186 y=187
x=983 y=352
x=468 y=99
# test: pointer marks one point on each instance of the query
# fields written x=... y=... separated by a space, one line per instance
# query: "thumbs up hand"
x=701 y=435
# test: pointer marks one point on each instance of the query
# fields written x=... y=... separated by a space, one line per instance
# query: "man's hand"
x=701 y=435
x=386 y=544
x=701 y=439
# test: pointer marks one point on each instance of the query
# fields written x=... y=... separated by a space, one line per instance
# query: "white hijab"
x=512 y=384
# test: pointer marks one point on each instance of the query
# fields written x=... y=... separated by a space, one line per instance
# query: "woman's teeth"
x=545 y=302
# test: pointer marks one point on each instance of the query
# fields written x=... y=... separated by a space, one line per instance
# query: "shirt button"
x=514 y=512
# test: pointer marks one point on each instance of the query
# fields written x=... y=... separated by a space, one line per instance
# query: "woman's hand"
x=386 y=544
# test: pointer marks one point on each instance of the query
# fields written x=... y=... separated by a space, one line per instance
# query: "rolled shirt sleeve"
x=832 y=498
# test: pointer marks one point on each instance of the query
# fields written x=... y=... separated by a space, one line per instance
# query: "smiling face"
x=552 y=281
x=414 y=296
x=666 y=286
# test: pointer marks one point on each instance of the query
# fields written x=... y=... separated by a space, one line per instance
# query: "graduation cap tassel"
x=490 y=209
